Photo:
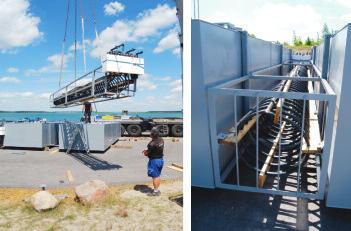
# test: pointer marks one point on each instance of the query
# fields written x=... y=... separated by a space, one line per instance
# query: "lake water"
x=75 y=116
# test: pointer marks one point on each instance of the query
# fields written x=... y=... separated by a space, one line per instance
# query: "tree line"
x=297 y=41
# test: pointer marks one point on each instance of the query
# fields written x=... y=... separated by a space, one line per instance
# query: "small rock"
x=121 y=211
x=43 y=200
x=91 y=192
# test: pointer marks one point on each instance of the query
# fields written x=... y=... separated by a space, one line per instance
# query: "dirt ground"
x=139 y=211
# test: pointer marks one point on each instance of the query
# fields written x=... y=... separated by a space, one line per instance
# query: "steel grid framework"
x=226 y=89
x=95 y=86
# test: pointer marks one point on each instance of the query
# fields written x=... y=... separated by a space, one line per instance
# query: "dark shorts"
x=154 y=167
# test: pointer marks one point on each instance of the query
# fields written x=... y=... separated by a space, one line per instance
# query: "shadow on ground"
x=235 y=210
x=143 y=188
x=177 y=199
x=93 y=162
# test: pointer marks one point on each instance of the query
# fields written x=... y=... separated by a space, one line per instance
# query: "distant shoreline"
x=98 y=112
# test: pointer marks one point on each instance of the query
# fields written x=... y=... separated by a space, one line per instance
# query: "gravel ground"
x=140 y=211
x=123 y=163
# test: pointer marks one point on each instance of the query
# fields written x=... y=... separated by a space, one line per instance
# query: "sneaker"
x=155 y=193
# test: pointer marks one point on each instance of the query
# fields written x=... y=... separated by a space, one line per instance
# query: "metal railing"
x=271 y=146
x=95 y=85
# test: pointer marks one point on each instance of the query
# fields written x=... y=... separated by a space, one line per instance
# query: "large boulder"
x=91 y=192
x=43 y=200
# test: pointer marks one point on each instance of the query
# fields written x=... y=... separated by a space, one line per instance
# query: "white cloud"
x=17 y=25
x=45 y=95
x=268 y=21
x=274 y=22
x=169 y=42
x=26 y=101
x=145 y=82
x=176 y=85
x=87 y=43
x=54 y=65
x=12 y=70
x=113 y=8
x=9 y=80
x=346 y=3
x=176 y=51
x=148 y=23
x=166 y=78
x=16 y=95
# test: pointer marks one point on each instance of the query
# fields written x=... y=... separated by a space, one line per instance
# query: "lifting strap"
x=95 y=27
x=83 y=37
x=63 y=44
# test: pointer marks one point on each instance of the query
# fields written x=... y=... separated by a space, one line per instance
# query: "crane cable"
x=83 y=37
x=95 y=27
x=63 y=43
x=75 y=40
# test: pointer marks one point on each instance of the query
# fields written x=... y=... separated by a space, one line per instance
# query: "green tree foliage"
x=325 y=30
x=297 y=42
x=309 y=42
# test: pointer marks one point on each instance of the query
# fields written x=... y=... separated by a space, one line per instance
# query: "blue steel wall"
x=215 y=59
x=220 y=55
x=339 y=78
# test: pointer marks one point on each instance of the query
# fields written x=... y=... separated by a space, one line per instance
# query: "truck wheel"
x=134 y=130
x=123 y=130
x=177 y=130
x=163 y=130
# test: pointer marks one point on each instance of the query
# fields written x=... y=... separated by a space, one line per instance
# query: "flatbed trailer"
x=135 y=126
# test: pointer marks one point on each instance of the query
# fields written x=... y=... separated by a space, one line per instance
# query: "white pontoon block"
x=97 y=136
x=31 y=134
x=122 y=64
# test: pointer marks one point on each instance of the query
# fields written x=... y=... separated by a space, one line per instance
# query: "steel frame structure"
x=108 y=86
x=226 y=89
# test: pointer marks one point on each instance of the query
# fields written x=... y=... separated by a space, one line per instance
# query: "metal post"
x=326 y=49
x=93 y=84
x=236 y=143
x=280 y=142
x=244 y=68
x=66 y=95
x=257 y=135
x=301 y=142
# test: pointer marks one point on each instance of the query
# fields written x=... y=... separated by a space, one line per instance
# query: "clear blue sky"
x=31 y=40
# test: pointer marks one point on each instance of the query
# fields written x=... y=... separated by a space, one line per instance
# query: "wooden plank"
x=315 y=144
x=280 y=102
x=232 y=138
x=122 y=146
x=177 y=165
x=310 y=149
x=175 y=168
x=69 y=176
x=269 y=159
x=279 y=106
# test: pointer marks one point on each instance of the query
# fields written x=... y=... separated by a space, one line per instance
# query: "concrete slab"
x=122 y=164
x=236 y=210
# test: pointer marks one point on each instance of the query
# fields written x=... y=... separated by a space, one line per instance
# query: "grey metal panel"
x=319 y=56
x=339 y=78
x=221 y=52
x=262 y=54
x=286 y=54
x=216 y=58
x=30 y=135
x=100 y=136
